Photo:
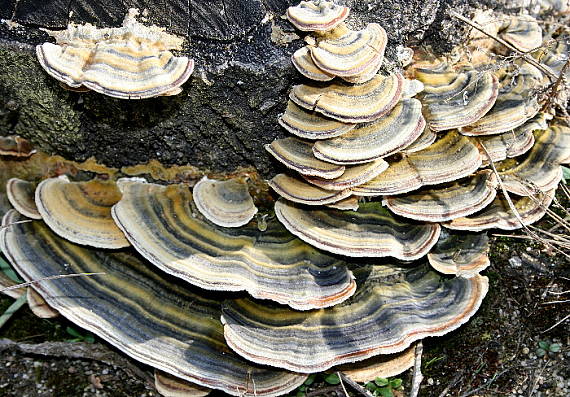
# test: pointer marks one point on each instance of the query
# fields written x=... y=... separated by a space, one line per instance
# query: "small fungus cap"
x=352 y=53
x=430 y=166
x=171 y=386
x=352 y=103
x=442 y=204
x=39 y=306
x=462 y=254
x=499 y=215
x=21 y=195
x=382 y=366
x=377 y=139
x=368 y=232
x=311 y=125
x=298 y=155
x=353 y=176
x=460 y=99
x=302 y=60
x=130 y=62
x=522 y=31
x=298 y=191
x=81 y=211
x=540 y=171
x=317 y=15
x=15 y=146
x=225 y=203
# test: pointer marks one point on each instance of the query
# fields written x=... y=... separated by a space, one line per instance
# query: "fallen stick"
x=77 y=350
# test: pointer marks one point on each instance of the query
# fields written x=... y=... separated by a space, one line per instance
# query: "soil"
x=494 y=354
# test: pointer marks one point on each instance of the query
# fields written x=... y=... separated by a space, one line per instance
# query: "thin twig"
x=556 y=325
x=556 y=85
x=323 y=391
x=452 y=383
x=14 y=223
x=555 y=302
x=77 y=350
x=523 y=55
x=355 y=386
x=486 y=385
x=512 y=205
x=417 y=377
x=48 y=278
x=342 y=384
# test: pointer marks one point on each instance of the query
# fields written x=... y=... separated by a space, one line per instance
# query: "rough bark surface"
x=228 y=109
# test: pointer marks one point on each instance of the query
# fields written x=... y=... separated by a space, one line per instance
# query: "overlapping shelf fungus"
x=376 y=238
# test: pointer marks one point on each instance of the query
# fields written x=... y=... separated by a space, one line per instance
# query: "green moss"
x=32 y=104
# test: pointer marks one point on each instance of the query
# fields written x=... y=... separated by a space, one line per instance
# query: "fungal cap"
x=225 y=203
x=540 y=171
x=311 y=125
x=356 y=54
x=161 y=223
x=382 y=366
x=462 y=254
x=20 y=193
x=81 y=211
x=352 y=103
x=298 y=155
x=515 y=104
x=523 y=32
x=431 y=166
x=317 y=15
x=171 y=386
x=15 y=146
x=39 y=306
x=130 y=62
x=426 y=138
x=369 y=232
x=326 y=337
x=353 y=176
x=377 y=139
x=457 y=100
x=348 y=204
x=294 y=189
x=302 y=60
x=498 y=215
x=512 y=143
x=444 y=204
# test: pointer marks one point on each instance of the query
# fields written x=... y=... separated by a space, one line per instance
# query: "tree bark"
x=229 y=107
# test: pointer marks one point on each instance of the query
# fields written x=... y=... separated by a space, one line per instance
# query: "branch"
x=77 y=350
x=523 y=55
x=417 y=377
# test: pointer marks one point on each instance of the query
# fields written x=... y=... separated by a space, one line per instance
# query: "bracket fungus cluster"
x=379 y=234
x=133 y=61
